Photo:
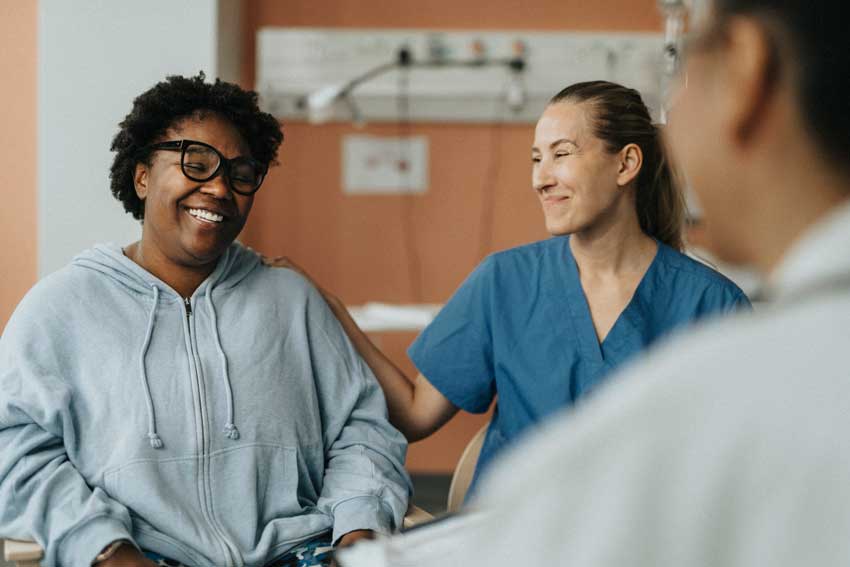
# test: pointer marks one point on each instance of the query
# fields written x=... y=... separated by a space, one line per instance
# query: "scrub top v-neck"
x=520 y=327
x=626 y=336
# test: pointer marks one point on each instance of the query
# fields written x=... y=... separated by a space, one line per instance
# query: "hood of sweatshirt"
x=233 y=266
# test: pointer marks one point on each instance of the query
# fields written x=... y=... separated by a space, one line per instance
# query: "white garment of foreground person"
x=727 y=447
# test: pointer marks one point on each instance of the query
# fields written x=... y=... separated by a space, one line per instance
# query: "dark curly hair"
x=172 y=100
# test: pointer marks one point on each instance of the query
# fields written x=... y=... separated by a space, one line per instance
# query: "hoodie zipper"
x=196 y=374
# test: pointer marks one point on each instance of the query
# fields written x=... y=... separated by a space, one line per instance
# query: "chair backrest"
x=464 y=471
x=22 y=553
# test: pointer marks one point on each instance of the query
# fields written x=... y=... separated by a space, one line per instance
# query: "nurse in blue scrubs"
x=538 y=327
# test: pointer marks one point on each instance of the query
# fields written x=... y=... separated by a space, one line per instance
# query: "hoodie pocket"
x=163 y=497
x=246 y=490
x=255 y=497
x=258 y=480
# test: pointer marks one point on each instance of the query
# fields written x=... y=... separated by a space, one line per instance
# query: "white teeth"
x=206 y=215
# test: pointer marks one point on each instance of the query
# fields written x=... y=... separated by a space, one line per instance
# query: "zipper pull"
x=188 y=304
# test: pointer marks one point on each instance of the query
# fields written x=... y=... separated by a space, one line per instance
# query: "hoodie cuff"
x=361 y=513
x=82 y=545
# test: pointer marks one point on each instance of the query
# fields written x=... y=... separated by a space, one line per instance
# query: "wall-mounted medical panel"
x=294 y=63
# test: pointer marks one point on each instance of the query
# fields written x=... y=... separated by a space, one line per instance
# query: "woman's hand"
x=285 y=262
x=351 y=537
x=127 y=556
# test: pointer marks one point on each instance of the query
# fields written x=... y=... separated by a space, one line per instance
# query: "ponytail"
x=660 y=202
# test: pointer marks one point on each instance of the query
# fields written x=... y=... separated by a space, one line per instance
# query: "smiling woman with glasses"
x=183 y=404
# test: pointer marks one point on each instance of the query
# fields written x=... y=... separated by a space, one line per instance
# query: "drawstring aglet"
x=231 y=431
x=155 y=441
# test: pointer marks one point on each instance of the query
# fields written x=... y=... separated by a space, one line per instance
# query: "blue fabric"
x=520 y=327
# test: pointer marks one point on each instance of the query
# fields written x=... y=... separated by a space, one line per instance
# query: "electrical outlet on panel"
x=384 y=165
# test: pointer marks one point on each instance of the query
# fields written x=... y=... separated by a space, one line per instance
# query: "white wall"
x=95 y=57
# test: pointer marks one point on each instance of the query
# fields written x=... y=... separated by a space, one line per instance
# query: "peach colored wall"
x=18 y=59
x=412 y=248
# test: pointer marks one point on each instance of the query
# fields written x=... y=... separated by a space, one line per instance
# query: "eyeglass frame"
x=713 y=34
x=223 y=162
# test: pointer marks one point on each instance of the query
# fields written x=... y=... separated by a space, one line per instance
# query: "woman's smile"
x=555 y=200
x=206 y=216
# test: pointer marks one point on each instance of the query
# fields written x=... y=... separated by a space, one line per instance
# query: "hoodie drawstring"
x=229 y=427
x=153 y=438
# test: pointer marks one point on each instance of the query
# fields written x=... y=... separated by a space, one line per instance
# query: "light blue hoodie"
x=222 y=431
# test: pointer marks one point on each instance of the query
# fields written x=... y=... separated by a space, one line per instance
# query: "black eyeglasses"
x=202 y=162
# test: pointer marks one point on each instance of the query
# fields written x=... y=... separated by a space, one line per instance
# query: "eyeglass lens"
x=200 y=163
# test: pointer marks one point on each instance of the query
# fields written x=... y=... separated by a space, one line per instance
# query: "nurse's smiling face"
x=573 y=173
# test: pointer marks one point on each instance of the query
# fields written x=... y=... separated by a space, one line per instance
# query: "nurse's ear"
x=631 y=159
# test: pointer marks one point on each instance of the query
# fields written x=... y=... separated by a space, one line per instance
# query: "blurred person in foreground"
x=727 y=446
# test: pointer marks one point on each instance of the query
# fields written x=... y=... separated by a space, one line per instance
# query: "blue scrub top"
x=520 y=327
